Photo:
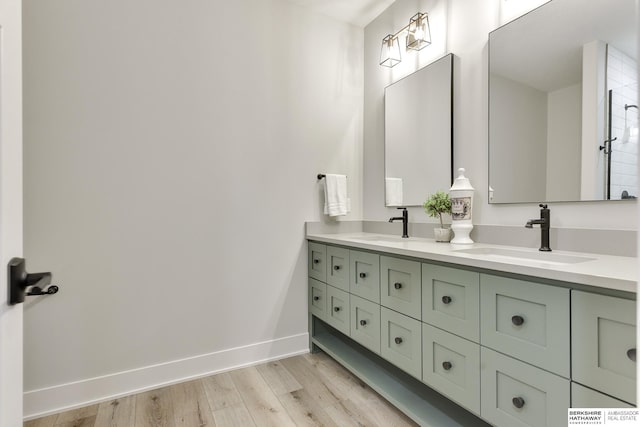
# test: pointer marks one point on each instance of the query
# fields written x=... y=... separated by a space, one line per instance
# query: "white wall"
x=171 y=153
x=564 y=142
x=520 y=140
x=460 y=27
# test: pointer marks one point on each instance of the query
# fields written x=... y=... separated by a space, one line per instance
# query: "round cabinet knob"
x=446 y=299
x=336 y=309
x=316 y=298
x=631 y=354
x=316 y=261
x=398 y=340
x=363 y=322
x=397 y=285
x=517 y=320
x=446 y=365
x=362 y=275
x=518 y=402
x=336 y=267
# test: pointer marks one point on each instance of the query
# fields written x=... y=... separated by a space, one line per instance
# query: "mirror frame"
x=450 y=146
x=491 y=166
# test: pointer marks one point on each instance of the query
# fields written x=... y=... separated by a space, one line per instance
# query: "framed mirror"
x=418 y=134
x=563 y=104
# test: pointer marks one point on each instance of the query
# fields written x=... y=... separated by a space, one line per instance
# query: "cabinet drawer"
x=517 y=394
x=401 y=341
x=365 y=323
x=317 y=298
x=317 y=261
x=451 y=300
x=338 y=267
x=526 y=320
x=603 y=342
x=451 y=365
x=365 y=275
x=583 y=397
x=338 y=309
x=400 y=286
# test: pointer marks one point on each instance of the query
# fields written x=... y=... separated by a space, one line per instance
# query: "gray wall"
x=460 y=27
x=520 y=141
x=564 y=143
x=171 y=152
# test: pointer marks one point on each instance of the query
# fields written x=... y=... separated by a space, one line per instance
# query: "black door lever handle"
x=36 y=290
x=22 y=283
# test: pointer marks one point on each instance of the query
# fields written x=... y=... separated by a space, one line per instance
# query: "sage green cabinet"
x=514 y=352
x=401 y=341
x=603 y=341
x=365 y=275
x=526 y=320
x=400 y=286
x=338 y=309
x=365 y=323
x=451 y=300
x=517 y=394
x=317 y=298
x=583 y=397
x=451 y=365
x=338 y=267
x=317 y=261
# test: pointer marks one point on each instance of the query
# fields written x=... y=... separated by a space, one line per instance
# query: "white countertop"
x=603 y=271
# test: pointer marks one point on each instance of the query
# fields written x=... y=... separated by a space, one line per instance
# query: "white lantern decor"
x=461 y=195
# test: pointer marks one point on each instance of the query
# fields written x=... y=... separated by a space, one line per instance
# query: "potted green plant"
x=436 y=205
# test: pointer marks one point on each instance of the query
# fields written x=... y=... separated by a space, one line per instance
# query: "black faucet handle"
x=402 y=208
x=543 y=206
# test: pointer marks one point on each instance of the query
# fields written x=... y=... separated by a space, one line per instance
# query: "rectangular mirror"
x=418 y=134
x=563 y=97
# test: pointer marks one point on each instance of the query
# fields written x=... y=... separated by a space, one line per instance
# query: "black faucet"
x=545 y=224
x=405 y=221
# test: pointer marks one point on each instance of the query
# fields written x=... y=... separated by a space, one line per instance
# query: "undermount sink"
x=384 y=238
x=549 y=257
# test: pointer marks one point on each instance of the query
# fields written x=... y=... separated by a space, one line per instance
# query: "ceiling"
x=356 y=12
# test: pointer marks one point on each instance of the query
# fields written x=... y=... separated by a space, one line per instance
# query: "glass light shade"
x=419 y=33
x=390 y=53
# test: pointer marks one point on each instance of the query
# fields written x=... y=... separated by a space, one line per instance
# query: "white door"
x=10 y=208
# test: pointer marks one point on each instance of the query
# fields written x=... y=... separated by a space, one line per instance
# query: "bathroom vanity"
x=513 y=336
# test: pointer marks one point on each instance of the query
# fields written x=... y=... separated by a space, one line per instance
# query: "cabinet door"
x=365 y=275
x=400 y=286
x=582 y=397
x=317 y=298
x=338 y=267
x=451 y=300
x=338 y=309
x=317 y=261
x=401 y=341
x=516 y=394
x=451 y=365
x=526 y=320
x=365 y=323
x=603 y=343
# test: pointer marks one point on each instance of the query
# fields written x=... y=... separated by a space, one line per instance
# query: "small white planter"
x=442 y=234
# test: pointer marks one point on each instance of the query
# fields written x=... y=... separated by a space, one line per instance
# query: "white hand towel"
x=393 y=191
x=336 y=201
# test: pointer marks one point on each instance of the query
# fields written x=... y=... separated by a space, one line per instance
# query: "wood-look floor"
x=308 y=390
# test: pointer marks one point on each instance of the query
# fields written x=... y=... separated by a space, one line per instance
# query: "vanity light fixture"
x=418 y=36
x=390 y=54
x=418 y=33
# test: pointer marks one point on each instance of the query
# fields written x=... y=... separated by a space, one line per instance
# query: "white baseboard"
x=51 y=400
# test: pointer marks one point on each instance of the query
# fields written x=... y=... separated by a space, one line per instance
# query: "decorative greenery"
x=437 y=204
